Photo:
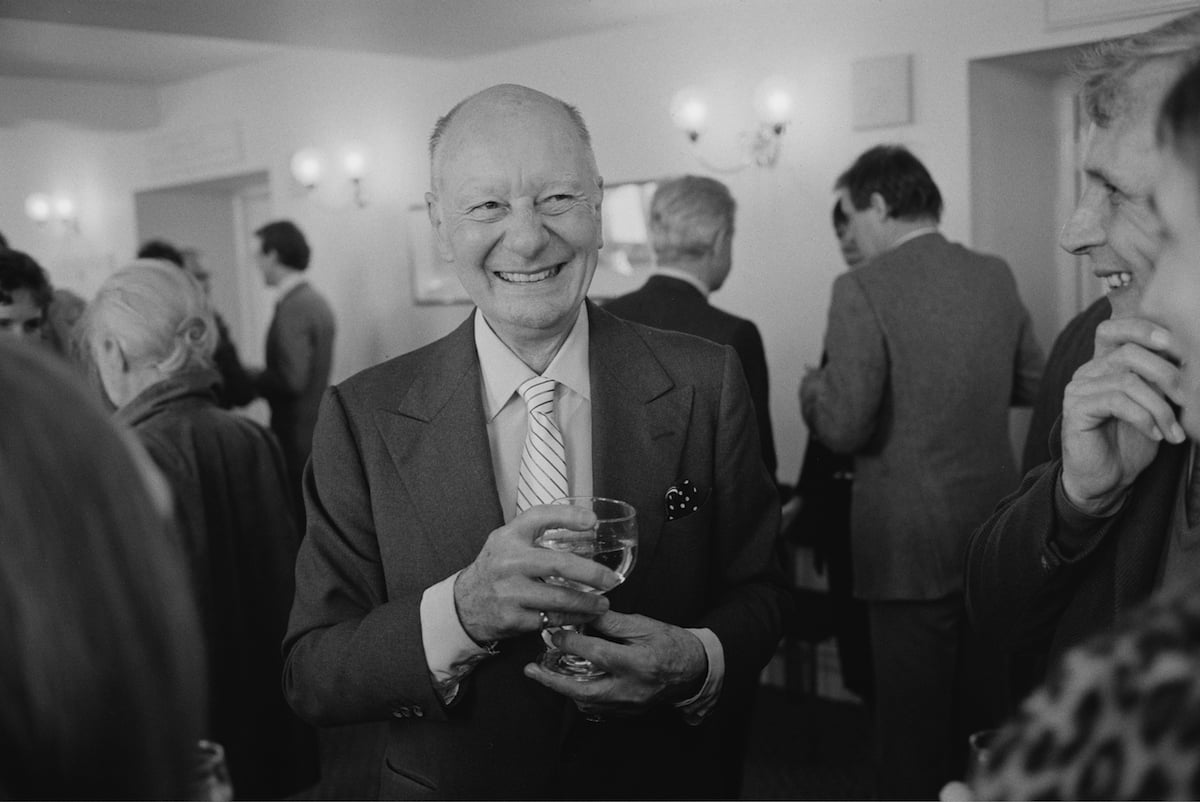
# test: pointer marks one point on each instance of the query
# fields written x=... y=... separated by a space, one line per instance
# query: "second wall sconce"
x=309 y=166
x=759 y=145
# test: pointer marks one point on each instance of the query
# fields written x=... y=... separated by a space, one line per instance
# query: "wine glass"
x=612 y=542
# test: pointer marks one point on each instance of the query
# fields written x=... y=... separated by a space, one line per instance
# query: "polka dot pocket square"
x=683 y=499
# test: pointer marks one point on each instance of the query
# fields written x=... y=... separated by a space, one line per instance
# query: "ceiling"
x=155 y=42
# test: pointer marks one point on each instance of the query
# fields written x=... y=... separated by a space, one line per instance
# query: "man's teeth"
x=528 y=278
x=1116 y=281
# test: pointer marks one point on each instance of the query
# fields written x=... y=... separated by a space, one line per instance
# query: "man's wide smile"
x=530 y=278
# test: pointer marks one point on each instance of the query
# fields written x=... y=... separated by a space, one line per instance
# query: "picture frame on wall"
x=433 y=279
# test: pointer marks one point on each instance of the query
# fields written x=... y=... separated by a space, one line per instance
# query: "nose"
x=1085 y=229
x=526 y=234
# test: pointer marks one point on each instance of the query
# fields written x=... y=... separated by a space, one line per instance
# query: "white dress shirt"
x=449 y=650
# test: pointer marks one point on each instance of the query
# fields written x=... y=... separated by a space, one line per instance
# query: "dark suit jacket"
x=928 y=345
x=401 y=494
x=299 y=355
x=1036 y=583
x=233 y=506
x=670 y=303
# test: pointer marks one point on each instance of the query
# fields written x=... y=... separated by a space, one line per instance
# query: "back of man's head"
x=162 y=250
x=686 y=214
x=287 y=241
x=1104 y=70
x=18 y=271
x=900 y=179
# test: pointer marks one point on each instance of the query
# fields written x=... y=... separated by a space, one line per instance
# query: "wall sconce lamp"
x=42 y=209
x=310 y=165
x=760 y=145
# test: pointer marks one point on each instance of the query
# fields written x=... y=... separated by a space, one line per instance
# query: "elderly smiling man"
x=419 y=598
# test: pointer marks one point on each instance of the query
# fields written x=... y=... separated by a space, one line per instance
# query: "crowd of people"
x=351 y=602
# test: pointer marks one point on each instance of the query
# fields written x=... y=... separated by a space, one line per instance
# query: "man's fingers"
x=563 y=601
x=1131 y=359
x=1113 y=334
x=1128 y=398
x=531 y=523
x=557 y=566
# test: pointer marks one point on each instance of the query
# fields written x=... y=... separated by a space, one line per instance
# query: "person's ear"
x=434 y=208
x=879 y=205
x=112 y=356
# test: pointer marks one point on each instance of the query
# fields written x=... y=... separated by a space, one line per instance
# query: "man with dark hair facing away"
x=928 y=346
x=299 y=350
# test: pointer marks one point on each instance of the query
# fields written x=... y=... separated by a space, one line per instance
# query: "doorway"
x=1026 y=146
x=218 y=219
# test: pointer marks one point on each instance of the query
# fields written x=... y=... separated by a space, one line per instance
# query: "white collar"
x=916 y=232
x=290 y=281
x=503 y=371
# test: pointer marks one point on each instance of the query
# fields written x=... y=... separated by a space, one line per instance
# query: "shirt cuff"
x=695 y=709
x=450 y=652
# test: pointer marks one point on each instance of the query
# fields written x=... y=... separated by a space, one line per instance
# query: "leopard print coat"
x=1118 y=719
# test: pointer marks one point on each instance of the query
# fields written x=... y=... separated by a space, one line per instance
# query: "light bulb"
x=64 y=208
x=773 y=101
x=308 y=165
x=354 y=161
x=38 y=207
x=689 y=110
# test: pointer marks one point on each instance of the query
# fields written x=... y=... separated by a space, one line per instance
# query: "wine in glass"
x=612 y=542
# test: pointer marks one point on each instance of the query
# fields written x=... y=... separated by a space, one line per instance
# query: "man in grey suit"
x=299 y=350
x=928 y=345
x=419 y=592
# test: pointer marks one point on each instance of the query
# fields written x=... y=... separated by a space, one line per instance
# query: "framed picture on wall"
x=626 y=258
x=433 y=280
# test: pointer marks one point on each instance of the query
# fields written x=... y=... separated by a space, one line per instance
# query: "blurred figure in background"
x=691 y=231
x=299 y=351
x=102 y=681
x=819 y=516
x=929 y=345
x=237 y=388
x=25 y=293
x=150 y=335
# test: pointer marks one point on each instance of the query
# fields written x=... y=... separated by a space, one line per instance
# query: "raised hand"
x=500 y=594
x=648 y=662
x=1116 y=411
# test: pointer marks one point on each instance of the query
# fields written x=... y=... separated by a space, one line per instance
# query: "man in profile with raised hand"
x=419 y=598
x=1095 y=530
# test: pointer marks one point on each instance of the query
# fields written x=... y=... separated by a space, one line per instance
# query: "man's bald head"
x=503 y=99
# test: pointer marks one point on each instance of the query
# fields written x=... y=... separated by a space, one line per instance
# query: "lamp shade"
x=689 y=110
x=308 y=165
x=354 y=161
x=38 y=207
x=774 y=101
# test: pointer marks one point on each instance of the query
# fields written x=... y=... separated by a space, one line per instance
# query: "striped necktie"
x=543 y=476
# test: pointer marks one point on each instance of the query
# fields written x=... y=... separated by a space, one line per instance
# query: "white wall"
x=785 y=257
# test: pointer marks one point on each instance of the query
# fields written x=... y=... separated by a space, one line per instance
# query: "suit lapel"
x=438 y=441
x=639 y=424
